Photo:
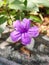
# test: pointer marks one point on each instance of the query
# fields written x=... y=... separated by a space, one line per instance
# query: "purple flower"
x=23 y=31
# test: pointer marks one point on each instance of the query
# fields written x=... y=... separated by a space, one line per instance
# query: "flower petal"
x=33 y=31
x=26 y=23
x=25 y=39
x=17 y=25
x=15 y=36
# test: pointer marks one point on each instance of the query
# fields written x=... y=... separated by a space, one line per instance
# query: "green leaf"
x=2 y=19
x=41 y=2
x=9 y=1
x=31 y=6
x=35 y=19
x=17 y=5
x=44 y=2
x=25 y=3
x=1 y=3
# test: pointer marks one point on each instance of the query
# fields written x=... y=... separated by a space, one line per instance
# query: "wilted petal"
x=15 y=36
x=26 y=23
x=33 y=31
x=25 y=39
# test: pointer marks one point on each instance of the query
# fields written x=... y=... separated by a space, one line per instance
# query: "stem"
x=41 y=17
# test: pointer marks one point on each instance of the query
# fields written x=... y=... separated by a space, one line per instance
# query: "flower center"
x=24 y=30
